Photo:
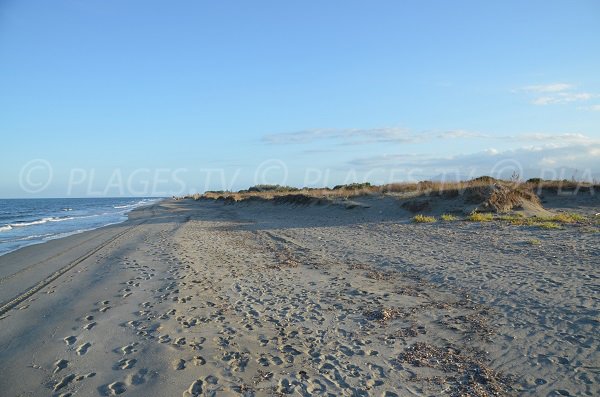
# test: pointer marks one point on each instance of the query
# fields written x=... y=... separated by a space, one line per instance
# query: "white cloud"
x=555 y=93
x=554 y=87
x=348 y=136
x=358 y=136
x=566 y=138
x=562 y=97
x=592 y=108
x=548 y=161
x=457 y=134
x=405 y=136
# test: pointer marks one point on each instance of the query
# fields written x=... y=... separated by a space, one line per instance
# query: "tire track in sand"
x=6 y=306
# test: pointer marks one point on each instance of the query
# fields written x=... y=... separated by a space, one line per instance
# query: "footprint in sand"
x=69 y=340
x=164 y=339
x=137 y=378
x=60 y=364
x=199 y=360
x=286 y=387
x=82 y=349
x=316 y=387
x=90 y=325
x=129 y=348
x=133 y=323
x=103 y=309
x=64 y=382
x=113 y=389
x=179 y=364
x=125 y=363
x=263 y=361
x=194 y=390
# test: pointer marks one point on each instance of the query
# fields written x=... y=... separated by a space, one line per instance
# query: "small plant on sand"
x=563 y=217
x=449 y=217
x=423 y=219
x=480 y=217
x=568 y=217
x=547 y=225
x=537 y=221
x=534 y=241
x=511 y=217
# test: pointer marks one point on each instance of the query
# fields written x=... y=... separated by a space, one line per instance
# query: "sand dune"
x=200 y=298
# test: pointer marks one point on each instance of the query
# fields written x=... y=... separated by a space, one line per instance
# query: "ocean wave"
x=124 y=206
x=66 y=234
x=41 y=221
x=26 y=238
x=133 y=205
x=70 y=233
x=26 y=225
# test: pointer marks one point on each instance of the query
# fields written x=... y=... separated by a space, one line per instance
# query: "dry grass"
x=431 y=187
x=547 y=225
x=535 y=221
x=511 y=217
x=445 y=189
x=423 y=219
x=449 y=217
x=564 y=185
x=480 y=217
x=567 y=217
x=488 y=193
x=549 y=222
x=271 y=194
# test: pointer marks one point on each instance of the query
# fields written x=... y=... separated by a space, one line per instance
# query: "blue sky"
x=127 y=97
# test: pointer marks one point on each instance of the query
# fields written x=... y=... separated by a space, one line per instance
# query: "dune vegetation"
x=484 y=199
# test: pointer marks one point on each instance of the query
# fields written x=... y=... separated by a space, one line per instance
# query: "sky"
x=140 y=98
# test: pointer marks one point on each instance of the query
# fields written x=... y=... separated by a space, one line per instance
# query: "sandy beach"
x=194 y=298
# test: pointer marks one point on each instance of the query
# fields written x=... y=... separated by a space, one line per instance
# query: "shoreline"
x=86 y=228
x=192 y=298
x=30 y=262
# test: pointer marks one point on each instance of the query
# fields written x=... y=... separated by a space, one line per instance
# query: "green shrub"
x=353 y=186
x=481 y=217
x=449 y=217
x=511 y=217
x=547 y=225
x=423 y=219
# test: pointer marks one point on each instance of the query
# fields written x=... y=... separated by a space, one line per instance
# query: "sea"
x=33 y=221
